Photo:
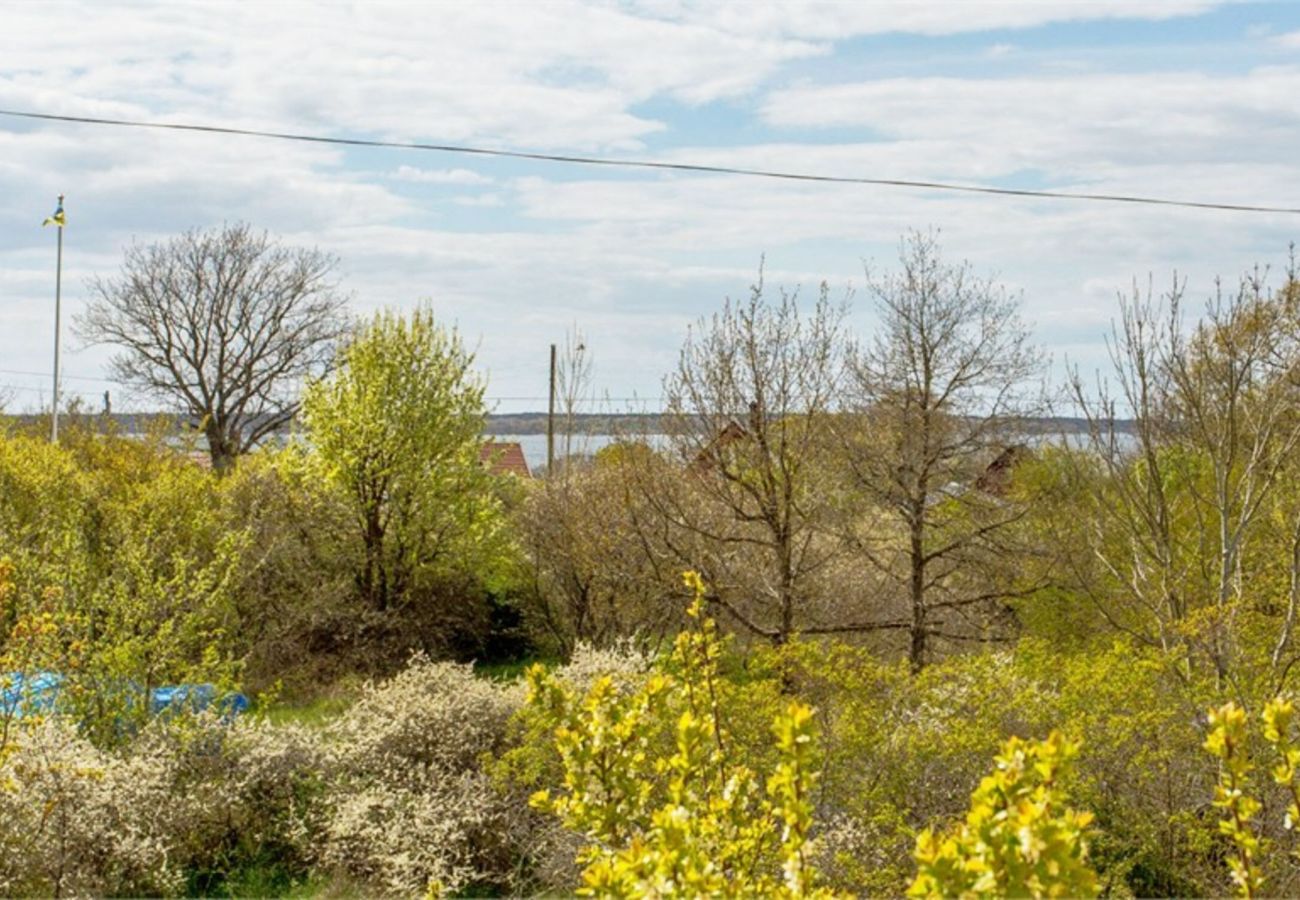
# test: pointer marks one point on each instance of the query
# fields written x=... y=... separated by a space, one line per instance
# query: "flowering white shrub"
x=393 y=793
x=409 y=803
x=239 y=793
x=431 y=715
x=75 y=820
x=189 y=797
x=624 y=660
x=450 y=829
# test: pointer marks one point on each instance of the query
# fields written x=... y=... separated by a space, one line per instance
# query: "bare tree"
x=227 y=323
x=1214 y=434
x=936 y=396
x=747 y=413
x=573 y=387
x=596 y=582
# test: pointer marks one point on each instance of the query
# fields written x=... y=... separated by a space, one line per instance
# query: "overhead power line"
x=63 y=376
x=652 y=164
x=586 y=401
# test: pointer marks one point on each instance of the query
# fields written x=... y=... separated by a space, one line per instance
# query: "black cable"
x=538 y=398
x=664 y=166
x=62 y=376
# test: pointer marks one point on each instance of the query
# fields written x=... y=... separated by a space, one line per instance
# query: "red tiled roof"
x=504 y=458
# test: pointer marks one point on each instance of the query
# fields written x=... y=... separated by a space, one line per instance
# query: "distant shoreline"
x=507 y=423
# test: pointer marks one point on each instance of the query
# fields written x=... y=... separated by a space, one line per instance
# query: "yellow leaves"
x=1227 y=740
x=1016 y=841
x=695 y=584
x=676 y=814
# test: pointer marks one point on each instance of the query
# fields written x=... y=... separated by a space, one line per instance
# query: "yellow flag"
x=57 y=218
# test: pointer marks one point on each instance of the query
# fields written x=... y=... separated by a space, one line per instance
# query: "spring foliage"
x=1018 y=838
x=397 y=428
x=1236 y=794
x=683 y=817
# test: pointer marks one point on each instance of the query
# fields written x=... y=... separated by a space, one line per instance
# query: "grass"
x=270 y=880
x=510 y=671
x=313 y=713
x=314 y=710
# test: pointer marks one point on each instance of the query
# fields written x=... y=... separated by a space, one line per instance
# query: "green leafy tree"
x=683 y=816
x=1017 y=840
x=398 y=428
x=120 y=560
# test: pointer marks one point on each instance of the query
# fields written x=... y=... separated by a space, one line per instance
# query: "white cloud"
x=631 y=257
x=481 y=200
x=829 y=20
x=541 y=75
x=1290 y=39
x=1067 y=124
x=441 y=176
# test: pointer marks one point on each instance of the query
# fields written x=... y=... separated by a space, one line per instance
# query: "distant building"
x=996 y=479
x=504 y=458
x=710 y=456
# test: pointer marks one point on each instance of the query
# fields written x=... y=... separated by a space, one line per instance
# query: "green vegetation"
x=693 y=820
x=1015 y=840
x=397 y=429
x=918 y=657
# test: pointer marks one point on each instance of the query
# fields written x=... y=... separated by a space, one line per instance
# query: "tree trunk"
x=916 y=590
x=374 y=583
x=786 y=630
x=221 y=448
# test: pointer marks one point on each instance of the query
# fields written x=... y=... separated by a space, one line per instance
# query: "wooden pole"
x=550 y=419
x=58 y=308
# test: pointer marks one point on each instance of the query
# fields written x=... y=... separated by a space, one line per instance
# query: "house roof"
x=996 y=479
x=708 y=457
x=504 y=458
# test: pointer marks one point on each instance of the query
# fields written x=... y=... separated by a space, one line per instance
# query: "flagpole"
x=58 y=304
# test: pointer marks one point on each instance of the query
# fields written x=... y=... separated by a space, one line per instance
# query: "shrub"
x=188 y=804
x=1017 y=839
x=692 y=818
x=410 y=804
x=76 y=820
x=1238 y=796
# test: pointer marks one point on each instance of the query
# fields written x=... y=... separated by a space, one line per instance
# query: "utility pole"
x=550 y=419
x=58 y=304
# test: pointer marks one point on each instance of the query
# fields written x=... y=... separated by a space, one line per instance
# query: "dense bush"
x=409 y=802
x=427 y=776
x=188 y=804
x=394 y=794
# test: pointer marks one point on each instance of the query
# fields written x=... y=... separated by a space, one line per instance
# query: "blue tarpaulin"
x=196 y=698
x=29 y=694
x=38 y=692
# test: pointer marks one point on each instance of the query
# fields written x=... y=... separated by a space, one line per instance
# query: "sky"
x=1187 y=99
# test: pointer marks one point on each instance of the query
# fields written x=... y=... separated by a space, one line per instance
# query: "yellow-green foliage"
x=1017 y=840
x=397 y=428
x=1235 y=793
x=1279 y=716
x=119 y=556
x=1227 y=741
x=903 y=752
x=687 y=819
